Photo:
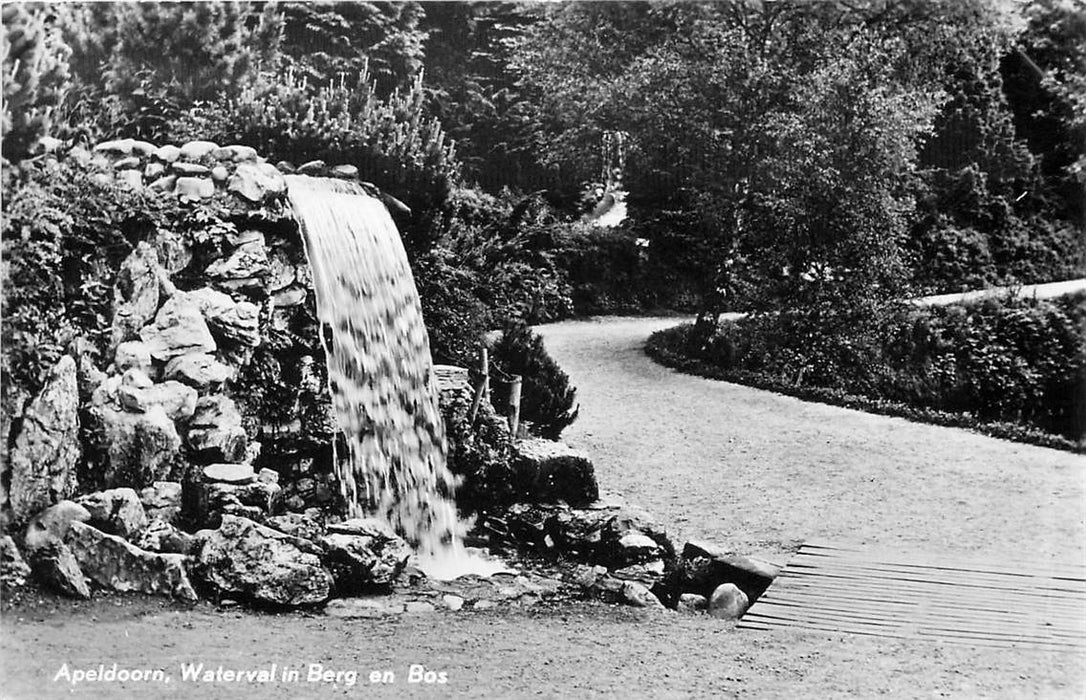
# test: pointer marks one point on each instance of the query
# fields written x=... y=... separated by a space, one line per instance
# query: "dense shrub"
x=391 y=141
x=547 y=399
x=1010 y=360
x=35 y=65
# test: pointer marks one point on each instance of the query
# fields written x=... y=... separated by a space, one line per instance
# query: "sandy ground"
x=754 y=470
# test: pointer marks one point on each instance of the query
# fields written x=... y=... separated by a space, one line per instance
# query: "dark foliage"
x=547 y=399
x=1017 y=361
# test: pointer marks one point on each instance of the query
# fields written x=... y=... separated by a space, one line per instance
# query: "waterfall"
x=380 y=372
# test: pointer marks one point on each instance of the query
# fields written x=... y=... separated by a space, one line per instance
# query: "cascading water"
x=380 y=372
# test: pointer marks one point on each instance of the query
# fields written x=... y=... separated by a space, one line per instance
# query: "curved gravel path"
x=762 y=472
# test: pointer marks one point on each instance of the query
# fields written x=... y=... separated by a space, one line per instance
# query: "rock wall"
x=214 y=353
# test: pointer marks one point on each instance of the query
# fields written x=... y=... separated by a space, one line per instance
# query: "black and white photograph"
x=543 y=349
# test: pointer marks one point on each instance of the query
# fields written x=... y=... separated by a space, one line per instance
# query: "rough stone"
x=452 y=602
x=194 y=188
x=236 y=322
x=199 y=371
x=245 y=559
x=195 y=150
x=131 y=179
x=116 y=511
x=167 y=154
x=268 y=476
x=345 y=171
x=638 y=547
x=153 y=171
x=43 y=456
x=248 y=261
x=13 y=568
x=648 y=574
x=313 y=167
x=175 y=398
x=132 y=354
x=52 y=524
x=728 y=602
x=184 y=169
x=143 y=148
x=358 y=561
x=127 y=163
x=548 y=471
x=121 y=566
x=179 y=329
x=289 y=297
x=55 y=566
x=692 y=602
x=281 y=271
x=119 y=147
x=235 y=153
x=219 y=174
x=255 y=182
x=166 y=183
x=166 y=538
x=215 y=431
x=142 y=448
x=308 y=525
x=639 y=595
x=713 y=565
x=253 y=501
x=162 y=500
x=230 y=473
x=418 y=607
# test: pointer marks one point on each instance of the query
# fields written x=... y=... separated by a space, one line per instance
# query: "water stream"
x=380 y=373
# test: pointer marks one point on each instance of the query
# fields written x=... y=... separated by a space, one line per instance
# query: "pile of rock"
x=627 y=556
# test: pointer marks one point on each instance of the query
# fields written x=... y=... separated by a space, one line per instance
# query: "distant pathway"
x=763 y=472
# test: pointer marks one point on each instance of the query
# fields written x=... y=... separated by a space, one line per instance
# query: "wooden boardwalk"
x=834 y=588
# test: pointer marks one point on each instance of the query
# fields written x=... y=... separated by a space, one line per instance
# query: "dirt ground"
x=753 y=470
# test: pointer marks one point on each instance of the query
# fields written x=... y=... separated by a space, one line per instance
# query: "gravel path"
x=763 y=472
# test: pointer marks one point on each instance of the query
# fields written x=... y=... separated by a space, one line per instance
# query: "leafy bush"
x=1018 y=361
x=547 y=399
x=35 y=65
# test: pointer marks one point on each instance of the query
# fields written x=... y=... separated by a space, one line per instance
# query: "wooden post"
x=514 y=405
x=484 y=384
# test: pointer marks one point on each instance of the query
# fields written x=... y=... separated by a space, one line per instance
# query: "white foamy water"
x=380 y=374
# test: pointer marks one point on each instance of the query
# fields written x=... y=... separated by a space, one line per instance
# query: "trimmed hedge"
x=1010 y=368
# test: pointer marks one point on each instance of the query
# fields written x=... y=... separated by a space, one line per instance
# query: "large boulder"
x=138 y=394
x=113 y=563
x=52 y=524
x=179 y=329
x=362 y=553
x=55 y=566
x=141 y=448
x=135 y=293
x=254 y=182
x=199 y=371
x=235 y=322
x=116 y=511
x=546 y=471
x=45 y=451
x=215 y=432
x=244 y=559
x=249 y=261
x=166 y=538
x=708 y=566
x=728 y=602
x=252 y=500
